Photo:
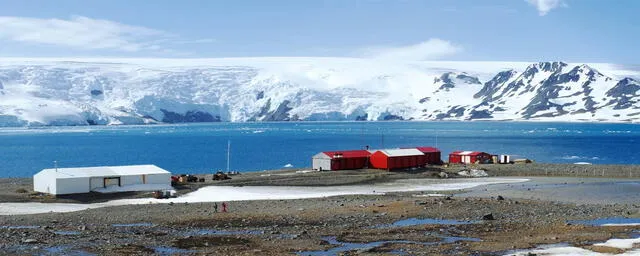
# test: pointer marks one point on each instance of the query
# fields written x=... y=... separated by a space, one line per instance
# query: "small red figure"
x=224 y=207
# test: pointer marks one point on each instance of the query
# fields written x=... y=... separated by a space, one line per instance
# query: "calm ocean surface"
x=201 y=148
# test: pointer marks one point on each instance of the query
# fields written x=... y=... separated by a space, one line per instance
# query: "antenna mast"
x=55 y=165
x=228 y=153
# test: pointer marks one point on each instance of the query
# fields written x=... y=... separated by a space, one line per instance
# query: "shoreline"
x=21 y=189
x=526 y=215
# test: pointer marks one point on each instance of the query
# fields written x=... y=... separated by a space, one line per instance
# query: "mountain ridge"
x=41 y=93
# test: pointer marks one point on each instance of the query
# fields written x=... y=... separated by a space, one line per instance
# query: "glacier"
x=92 y=91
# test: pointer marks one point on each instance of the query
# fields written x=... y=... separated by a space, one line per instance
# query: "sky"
x=461 y=30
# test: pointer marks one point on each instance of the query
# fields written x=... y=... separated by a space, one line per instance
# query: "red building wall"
x=380 y=160
x=350 y=163
x=455 y=158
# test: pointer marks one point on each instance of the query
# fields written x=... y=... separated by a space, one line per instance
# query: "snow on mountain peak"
x=88 y=92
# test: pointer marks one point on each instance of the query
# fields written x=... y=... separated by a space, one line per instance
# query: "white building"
x=104 y=179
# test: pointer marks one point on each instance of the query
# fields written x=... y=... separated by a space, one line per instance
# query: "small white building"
x=104 y=179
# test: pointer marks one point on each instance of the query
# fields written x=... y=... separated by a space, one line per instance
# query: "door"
x=112 y=181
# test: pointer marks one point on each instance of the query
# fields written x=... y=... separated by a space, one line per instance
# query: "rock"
x=500 y=198
x=443 y=175
x=488 y=217
x=30 y=241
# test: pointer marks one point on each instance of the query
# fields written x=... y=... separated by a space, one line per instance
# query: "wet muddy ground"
x=394 y=224
x=466 y=222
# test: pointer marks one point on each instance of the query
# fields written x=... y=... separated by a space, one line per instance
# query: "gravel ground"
x=525 y=216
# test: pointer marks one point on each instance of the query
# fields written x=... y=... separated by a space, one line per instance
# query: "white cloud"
x=428 y=50
x=85 y=33
x=544 y=6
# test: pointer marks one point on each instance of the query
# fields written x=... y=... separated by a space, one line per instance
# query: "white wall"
x=131 y=180
x=321 y=162
x=44 y=182
x=96 y=182
x=72 y=185
x=160 y=178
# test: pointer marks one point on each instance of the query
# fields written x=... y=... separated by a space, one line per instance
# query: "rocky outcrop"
x=193 y=116
x=625 y=94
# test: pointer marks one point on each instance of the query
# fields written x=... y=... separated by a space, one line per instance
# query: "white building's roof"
x=402 y=152
x=106 y=171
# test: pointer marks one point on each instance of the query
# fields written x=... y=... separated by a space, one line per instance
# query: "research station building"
x=470 y=157
x=103 y=179
x=389 y=159
x=433 y=155
x=341 y=160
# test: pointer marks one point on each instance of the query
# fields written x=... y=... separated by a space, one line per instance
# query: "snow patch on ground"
x=230 y=193
x=576 y=251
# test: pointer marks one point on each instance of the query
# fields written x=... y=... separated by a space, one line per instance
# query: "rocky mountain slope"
x=90 y=92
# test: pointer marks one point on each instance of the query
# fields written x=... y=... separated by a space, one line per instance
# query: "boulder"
x=30 y=241
x=488 y=217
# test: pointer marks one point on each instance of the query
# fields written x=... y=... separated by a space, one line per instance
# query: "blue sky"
x=491 y=30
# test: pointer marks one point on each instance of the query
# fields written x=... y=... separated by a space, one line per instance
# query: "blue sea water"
x=201 y=148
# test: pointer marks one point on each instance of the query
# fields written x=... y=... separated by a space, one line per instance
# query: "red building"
x=434 y=156
x=470 y=157
x=389 y=159
x=341 y=160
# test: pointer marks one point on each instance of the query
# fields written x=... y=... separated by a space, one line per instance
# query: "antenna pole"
x=228 y=153
x=55 y=165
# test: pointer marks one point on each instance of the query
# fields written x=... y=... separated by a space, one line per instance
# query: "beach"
x=333 y=213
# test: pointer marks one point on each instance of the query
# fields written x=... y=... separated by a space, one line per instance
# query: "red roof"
x=467 y=153
x=428 y=149
x=348 y=153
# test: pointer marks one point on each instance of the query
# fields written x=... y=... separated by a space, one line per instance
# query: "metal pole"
x=55 y=165
x=228 y=154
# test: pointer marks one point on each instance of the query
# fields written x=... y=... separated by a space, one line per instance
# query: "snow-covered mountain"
x=35 y=92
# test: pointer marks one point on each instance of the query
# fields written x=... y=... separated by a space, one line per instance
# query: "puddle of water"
x=19 y=227
x=65 y=250
x=453 y=239
x=608 y=222
x=202 y=232
x=66 y=233
x=415 y=222
x=142 y=224
x=60 y=250
x=344 y=246
x=165 y=250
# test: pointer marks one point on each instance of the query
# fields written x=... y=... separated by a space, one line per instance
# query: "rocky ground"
x=355 y=225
